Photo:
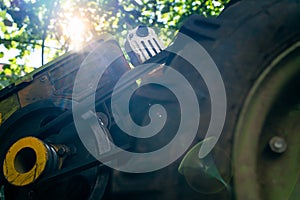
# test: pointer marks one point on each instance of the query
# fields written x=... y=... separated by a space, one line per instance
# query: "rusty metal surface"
x=39 y=89
x=8 y=106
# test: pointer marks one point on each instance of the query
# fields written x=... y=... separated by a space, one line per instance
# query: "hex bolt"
x=278 y=144
x=62 y=151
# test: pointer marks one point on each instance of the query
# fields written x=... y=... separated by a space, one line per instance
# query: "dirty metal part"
x=55 y=173
x=56 y=79
x=8 y=106
x=43 y=112
x=272 y=110
x=27 y=159
x=39 y=89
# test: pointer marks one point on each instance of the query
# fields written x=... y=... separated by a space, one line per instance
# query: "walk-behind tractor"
x=215 y=115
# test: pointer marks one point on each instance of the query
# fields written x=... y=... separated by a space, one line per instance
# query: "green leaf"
x=199 y=173
x=3 y=14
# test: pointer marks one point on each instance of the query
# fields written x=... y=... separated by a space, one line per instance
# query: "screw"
x=130 y=36
x=43 y=79
x=278 y=144
x=62 y=150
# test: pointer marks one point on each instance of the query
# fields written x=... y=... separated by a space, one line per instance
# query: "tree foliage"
x=57 y=26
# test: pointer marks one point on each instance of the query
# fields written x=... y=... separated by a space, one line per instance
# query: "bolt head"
x=43 y=79
x=278 y=144
x=142 y=31
x=61 y=151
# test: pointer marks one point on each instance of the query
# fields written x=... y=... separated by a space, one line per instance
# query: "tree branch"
x=26 y=42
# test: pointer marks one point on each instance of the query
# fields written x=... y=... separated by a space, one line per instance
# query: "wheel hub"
x=266 y=149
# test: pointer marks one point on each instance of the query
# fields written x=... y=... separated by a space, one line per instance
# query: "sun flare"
x=76 y=32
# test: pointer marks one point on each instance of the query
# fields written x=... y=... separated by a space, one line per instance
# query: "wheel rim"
x=269 y=121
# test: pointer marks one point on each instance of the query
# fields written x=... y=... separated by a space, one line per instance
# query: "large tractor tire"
x=256 y=46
